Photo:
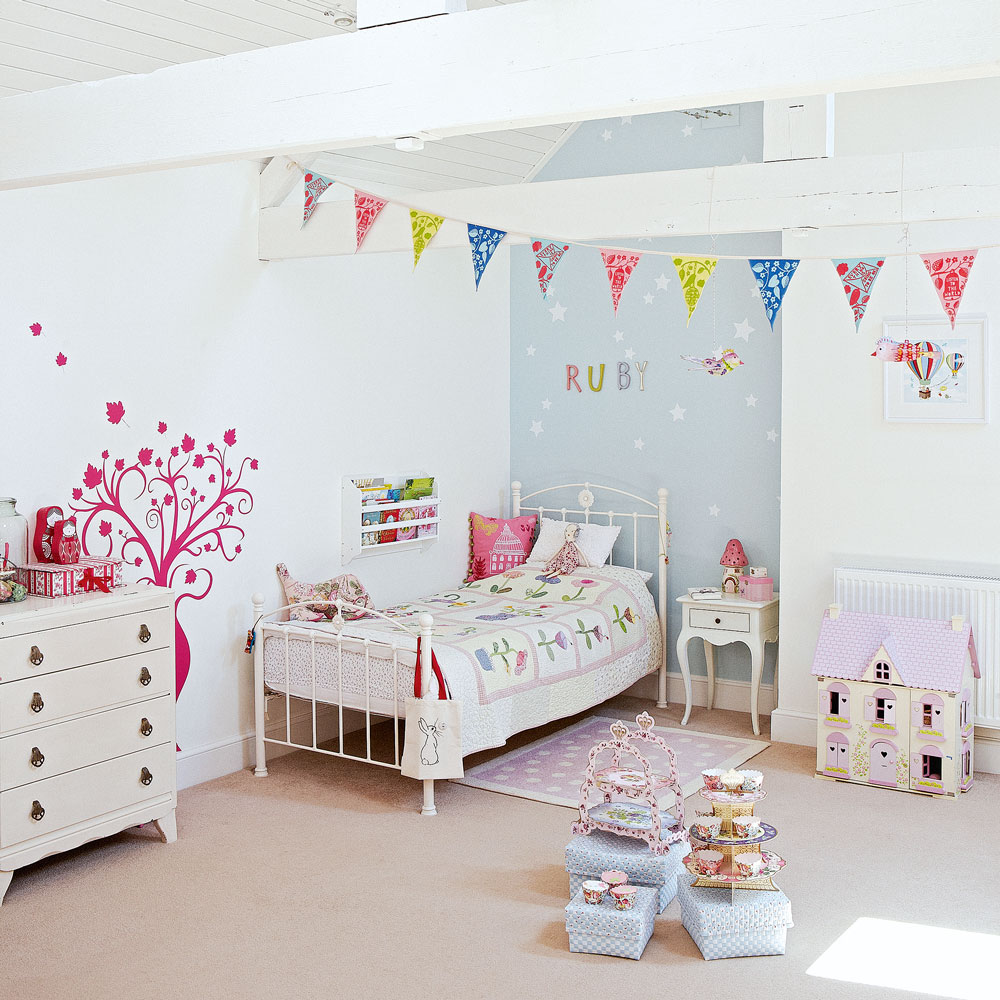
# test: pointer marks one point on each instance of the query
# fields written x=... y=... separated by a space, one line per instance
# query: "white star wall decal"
x=626 y=120
x=687 y=131
x=678 y=411
x=546 y=404
x=661 y=283
x=558 y=313
x=639 y=443
x=751 y=400
x=772 y=435
x=743 y=330
x=619 y=336
x=531 y=350
x=536 y=427
x=713 y=510
x=648 y=298
x=606 y=135
x=629 y=353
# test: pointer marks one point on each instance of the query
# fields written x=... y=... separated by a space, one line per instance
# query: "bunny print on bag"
x=429 y=751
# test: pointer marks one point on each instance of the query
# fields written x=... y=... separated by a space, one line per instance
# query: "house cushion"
x=498 y=543
x=595 y=541
x=346 y=587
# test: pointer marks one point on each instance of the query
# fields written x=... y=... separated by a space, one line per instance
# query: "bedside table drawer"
x=729 y=621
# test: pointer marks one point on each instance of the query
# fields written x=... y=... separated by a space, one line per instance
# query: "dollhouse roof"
x=926 y=653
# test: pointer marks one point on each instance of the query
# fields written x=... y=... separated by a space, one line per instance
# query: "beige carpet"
x=323 y=881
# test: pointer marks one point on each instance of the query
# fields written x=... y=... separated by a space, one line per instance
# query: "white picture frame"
x=953 y=387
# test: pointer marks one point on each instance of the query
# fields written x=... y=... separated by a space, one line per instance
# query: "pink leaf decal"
x=105 y=528
x=190 y=576
x=138 y=561
x=194 y=491
x=211 y=477
x=158 y=463
x=77 y=493
x=230 y=436
x=92 y=477
x=199 y=460
x=36 y=329
x=229 y=509
x=187 y=443
x=61 y=359
x=115 y=412
x=211 y=447
x=238 y=549
x=201 y=499
x=105 y=455
x=253 y=464
x=145 y=456
x=167 y=501
x=175 y=451
x=161 y=427
x=119 y=464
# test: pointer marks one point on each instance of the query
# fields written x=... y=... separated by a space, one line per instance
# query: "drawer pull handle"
x=37 y=757
x=145 y=727
x=36 y=702
x=37 y=812
x=144 y=634
x=36 y=656
x=718 y=621
x=145 y=676
x=146 y=776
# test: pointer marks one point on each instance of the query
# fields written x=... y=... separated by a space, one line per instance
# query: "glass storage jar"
x=13 y=536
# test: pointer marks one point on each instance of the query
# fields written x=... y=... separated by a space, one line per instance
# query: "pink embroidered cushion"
x=346 y=588
x=497 y=544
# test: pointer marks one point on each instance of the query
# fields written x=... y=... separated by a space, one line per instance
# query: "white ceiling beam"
x=869 y=190
x=520 y=65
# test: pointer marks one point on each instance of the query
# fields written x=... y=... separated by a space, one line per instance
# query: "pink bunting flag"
x=857 y=275
x=366 y=210
x=547 y=255
x=950 y=272
x=619 y=267
x=316 y=184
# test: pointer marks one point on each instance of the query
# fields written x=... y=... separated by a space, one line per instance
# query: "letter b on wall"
x=624 y=379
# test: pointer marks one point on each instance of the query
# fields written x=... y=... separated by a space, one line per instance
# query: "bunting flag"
x=694 y=273
x=316 y=184
x=950 y=272
x=546 y=257
x=858 y=276
x=773 y=276
x=619 y=267
x=484 y=242
x=425 y=227
x=366 y=210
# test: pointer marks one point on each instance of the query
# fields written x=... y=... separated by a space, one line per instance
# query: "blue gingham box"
x=754 y=923
x=603 y=930
x=589 y=855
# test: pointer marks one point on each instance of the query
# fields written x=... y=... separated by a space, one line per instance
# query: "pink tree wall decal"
x=171 y=515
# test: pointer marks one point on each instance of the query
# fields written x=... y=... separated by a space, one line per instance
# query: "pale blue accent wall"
x=718 y=455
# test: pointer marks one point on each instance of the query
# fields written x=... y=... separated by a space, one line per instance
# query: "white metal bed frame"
x=352 y=637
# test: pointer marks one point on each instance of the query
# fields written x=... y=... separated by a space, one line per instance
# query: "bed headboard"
x=636 y=509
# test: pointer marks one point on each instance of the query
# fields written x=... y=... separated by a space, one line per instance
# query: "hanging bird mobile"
x=727 y=361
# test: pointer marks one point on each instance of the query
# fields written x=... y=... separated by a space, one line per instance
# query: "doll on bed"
x=569 y=555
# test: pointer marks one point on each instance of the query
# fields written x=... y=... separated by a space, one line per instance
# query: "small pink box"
x=756 y=588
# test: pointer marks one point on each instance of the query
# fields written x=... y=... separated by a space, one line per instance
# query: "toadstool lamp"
x=734 y=559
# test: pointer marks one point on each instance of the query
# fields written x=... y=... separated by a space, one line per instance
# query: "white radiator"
x=927 y=595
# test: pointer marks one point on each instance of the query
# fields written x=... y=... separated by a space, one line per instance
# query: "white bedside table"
x=720 y=622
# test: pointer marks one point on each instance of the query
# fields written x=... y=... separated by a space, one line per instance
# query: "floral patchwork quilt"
x=523 y=629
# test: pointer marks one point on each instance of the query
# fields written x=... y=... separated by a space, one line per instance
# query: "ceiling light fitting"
x=342 y=17
x=409 y=144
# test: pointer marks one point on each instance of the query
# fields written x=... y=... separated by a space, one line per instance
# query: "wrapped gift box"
x=740 y=925
x=64 y=580
x=588 y=856
x=602 y=929
x=756 y=588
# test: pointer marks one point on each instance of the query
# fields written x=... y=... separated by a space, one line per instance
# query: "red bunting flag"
x=366 y=210
x=316 y=184
x=547 y=255
x=950 y=272
x=619 y=267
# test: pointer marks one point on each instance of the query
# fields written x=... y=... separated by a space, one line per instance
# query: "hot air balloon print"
x=925 y=365
x=954 y=362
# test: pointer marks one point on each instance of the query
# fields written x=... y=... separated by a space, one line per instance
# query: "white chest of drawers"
x=86 y=721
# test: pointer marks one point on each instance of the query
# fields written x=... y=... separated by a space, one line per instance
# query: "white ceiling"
x=51 y=43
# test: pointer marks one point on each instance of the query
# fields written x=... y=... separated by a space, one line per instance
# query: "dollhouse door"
x=882 y=769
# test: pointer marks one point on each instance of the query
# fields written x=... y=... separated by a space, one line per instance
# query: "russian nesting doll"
x=65 y=543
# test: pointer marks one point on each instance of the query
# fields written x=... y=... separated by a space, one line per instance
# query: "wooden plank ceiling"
x=51 y=43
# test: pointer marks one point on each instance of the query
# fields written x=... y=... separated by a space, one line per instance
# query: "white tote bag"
x=433 y=744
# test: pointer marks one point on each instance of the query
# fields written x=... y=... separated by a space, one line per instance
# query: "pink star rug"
x=552 y=769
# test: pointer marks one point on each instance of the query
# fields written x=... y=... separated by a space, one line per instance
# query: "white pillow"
x=595 y=541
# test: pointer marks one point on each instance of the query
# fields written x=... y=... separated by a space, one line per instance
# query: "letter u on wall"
x=590 y=378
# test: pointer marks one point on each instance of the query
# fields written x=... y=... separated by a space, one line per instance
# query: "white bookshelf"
x=355 y=535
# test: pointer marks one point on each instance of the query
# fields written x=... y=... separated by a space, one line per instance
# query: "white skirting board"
x=733 y=696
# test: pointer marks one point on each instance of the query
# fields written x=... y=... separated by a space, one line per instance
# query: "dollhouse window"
x=882 y=671
x=928 y=714
x=836 y=751
x=880 y=709
x=966 y=762
x=930 y=766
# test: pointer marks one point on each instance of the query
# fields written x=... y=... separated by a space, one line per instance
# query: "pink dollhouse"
x=896 y=701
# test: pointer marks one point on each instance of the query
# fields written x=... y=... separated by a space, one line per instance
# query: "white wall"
x=857 y=490
x=151 y=287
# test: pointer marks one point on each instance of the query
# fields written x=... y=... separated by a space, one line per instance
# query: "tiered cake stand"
x=727 y=805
